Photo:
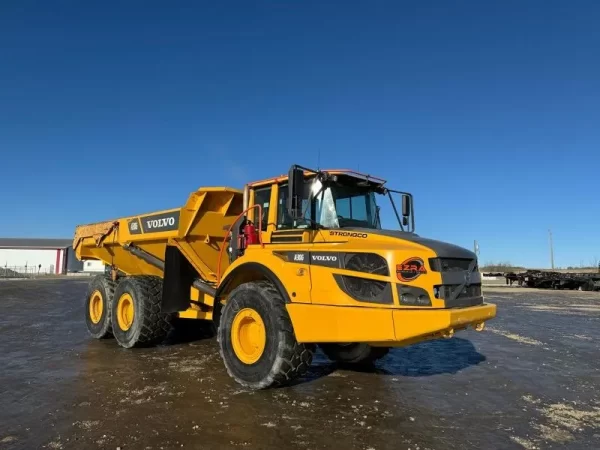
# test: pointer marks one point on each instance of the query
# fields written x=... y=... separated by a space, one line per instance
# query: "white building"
x=35 y=256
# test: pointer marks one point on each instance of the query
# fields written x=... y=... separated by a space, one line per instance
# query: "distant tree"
x=502 y=266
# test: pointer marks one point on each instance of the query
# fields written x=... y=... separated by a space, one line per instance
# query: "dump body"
x=198 y=229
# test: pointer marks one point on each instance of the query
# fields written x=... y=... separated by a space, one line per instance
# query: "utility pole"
x=551 y=249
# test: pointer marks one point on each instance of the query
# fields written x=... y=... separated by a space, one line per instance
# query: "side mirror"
x=406 y=206
x=295 y=192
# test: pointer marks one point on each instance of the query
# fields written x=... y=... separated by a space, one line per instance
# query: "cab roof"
x=351 y=173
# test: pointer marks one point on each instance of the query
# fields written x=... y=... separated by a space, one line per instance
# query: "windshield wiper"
x=317 y=225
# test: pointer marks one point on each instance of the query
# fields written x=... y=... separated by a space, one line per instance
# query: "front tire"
x=256 y=338
x=136 y=316
x=354 y=353
x=97 y=307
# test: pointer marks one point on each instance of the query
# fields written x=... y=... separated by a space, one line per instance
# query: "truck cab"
x=328 y=224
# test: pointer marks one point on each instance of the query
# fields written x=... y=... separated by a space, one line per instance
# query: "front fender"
x=245 y=272
x=293 y=279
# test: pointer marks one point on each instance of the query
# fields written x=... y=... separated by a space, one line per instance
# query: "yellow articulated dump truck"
x=281 y=267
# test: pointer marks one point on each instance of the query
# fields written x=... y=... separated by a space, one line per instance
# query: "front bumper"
x=410 y=324
x=382 y=326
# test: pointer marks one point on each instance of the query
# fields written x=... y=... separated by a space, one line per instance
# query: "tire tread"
x=155 y=325
x=108 y=285
x=293 y=359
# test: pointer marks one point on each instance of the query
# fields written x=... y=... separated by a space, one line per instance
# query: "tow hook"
x=479 y=326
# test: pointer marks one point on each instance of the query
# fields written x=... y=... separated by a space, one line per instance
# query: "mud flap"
x=178 y=278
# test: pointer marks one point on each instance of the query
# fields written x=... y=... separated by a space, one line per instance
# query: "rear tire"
x=136 y=316
x=97 y=307
x=354 y=353
x=256 y=338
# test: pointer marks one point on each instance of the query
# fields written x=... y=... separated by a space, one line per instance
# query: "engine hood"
x=442 y=249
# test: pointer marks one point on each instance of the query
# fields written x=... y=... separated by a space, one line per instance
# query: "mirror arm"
x=389 y=192
x=412 y=207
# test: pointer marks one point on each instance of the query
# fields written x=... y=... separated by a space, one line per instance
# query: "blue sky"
x=460 y=103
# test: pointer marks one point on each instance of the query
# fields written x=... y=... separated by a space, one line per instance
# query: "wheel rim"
x=125 y=312
x=248 y=336
x=96 y=306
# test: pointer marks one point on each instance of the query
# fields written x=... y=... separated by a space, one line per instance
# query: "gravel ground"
x=530 y=380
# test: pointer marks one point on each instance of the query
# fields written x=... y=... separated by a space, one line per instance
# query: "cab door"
x=287 y=246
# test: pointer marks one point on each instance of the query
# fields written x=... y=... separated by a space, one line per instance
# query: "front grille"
x=450 y=264
x=468 y=296
x=364 y=289
x=468 y=291
x=366 y=262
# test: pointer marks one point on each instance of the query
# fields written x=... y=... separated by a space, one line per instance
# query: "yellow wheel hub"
x=125 y=312
x=96 y=306
x=248 y=336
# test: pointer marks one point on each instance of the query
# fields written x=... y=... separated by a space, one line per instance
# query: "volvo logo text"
x=161 y=223
x=324 y=258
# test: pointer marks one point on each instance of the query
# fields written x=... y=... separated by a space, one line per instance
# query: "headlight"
x=413 y=296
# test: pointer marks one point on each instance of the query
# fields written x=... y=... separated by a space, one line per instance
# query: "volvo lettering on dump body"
x=334 y=280
x=161 y=223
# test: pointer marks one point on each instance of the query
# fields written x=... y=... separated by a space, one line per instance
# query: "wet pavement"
x=530 y=380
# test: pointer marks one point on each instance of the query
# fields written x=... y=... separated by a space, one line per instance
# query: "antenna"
x=319 y=160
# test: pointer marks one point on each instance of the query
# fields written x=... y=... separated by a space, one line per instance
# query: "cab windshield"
x=346 y=202
x=337 y=205
x=344 y=205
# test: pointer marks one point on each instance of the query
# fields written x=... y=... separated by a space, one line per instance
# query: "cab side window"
x=284 y=220
x=262 y=197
